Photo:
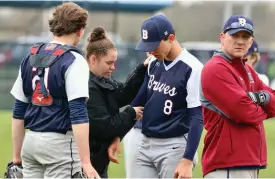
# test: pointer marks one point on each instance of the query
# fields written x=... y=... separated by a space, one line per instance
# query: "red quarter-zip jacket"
x=235 y=134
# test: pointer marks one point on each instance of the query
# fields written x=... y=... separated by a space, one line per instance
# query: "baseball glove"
x=13 y=171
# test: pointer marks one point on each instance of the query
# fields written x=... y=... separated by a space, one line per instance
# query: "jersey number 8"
x=168 y=107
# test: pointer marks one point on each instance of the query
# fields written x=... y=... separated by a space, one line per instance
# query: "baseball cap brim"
x=234 y=31
x=147 y=46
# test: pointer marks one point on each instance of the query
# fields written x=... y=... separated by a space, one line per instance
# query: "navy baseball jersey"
x=66 y=80
x=169 y=90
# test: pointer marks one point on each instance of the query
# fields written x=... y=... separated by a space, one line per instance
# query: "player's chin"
x=239 y=54
x=107 y=75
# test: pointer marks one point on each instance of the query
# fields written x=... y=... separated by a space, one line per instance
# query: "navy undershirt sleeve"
x=195 y=131
x=19 y=109
x=78 y=111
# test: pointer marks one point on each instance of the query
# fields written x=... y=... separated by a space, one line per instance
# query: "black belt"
x=57 y=131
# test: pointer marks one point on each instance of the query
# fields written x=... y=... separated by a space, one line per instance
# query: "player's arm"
x=269 y=107
x=76 y=79
x=130 y=88
x=222 y=90
x=141 y=97
x=19 y=109
x=194 y=115
x=107 y=125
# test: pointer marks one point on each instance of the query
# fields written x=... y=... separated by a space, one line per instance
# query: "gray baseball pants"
x=49 y=155
x=230 y=173
x=159 y=158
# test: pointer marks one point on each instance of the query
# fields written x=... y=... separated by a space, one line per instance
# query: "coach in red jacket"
x=235 y=104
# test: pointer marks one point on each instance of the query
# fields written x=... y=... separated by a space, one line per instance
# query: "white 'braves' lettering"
x=157 y=86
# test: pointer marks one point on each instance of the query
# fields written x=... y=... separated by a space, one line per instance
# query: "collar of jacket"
x=105 y=83
x=226 y=57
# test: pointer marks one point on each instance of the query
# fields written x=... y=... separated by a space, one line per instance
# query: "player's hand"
x=90 y=171
x=146 y=62
x=17 y=160
x=184 y=169
x=113 y=149
x=139 y=112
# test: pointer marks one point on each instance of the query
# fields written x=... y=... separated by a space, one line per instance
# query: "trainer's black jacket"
x=106 y=97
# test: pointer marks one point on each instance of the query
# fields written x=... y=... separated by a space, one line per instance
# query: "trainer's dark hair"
x=98 y=44
x=68 y=18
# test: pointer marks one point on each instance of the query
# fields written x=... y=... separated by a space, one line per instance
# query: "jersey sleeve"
x=77 y=78
x=193 y=86
x=17 y=89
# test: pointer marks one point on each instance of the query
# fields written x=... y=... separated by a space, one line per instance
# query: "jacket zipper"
x=260 y=145
x=245 y=69
x=260 y=149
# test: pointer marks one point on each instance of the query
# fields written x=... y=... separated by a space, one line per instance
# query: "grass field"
x=117 y=170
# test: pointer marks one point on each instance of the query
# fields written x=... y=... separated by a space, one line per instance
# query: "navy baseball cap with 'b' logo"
x=237 y=23
x=154 y=30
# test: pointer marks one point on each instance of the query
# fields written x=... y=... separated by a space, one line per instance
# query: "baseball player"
x=132 y=142
x=172 y=118
x=235 y=104
x=51 y=92
x=253 y=57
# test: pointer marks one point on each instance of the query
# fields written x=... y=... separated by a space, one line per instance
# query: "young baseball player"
x=235 y=104
x=132 y=142
x=172 y=118
x=51 y=92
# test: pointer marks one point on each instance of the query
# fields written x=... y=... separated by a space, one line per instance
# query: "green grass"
x=117 y=170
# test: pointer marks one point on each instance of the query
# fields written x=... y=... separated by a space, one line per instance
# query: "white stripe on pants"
x=49 y=155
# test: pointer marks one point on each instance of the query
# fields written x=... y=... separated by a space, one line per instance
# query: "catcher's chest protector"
x=39 y=62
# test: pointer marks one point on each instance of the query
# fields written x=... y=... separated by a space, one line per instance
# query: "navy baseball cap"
x=253 y=49
x=237 y=23
x=153 y=30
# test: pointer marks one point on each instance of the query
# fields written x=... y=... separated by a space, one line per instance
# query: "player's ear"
x=222 y=35
x=92 y=59
x=80 y=32
x=171 y=37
